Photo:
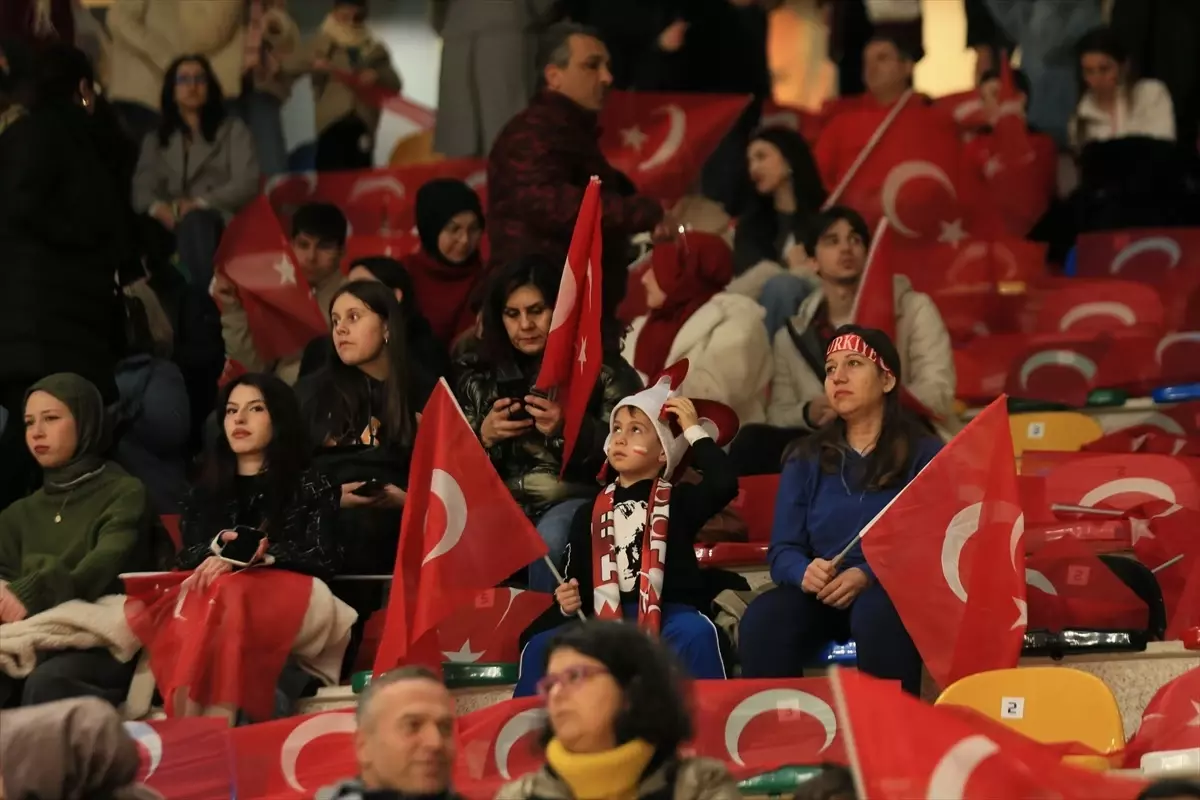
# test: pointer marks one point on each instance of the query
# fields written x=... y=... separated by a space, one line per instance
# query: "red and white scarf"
x=605 y=576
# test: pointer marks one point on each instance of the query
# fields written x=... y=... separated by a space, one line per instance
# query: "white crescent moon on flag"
x=568 y=295
x=1174 y=338
x=773 y=700
x=1164 y=243
x=373 y=183
x=1039 y=581
x=954 y=769
x=275 y=181
x=901 y=174
x=675 y=136
x=476 y=179
x=512 y=732
x=962 y=527
x=1123 y=313
x=147 y=737
x=442 y=484
x=1066 y=358
x=1147 y=486
x=308 y=731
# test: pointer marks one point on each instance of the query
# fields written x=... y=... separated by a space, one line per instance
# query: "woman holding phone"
x=521 y=429
x=258 y=482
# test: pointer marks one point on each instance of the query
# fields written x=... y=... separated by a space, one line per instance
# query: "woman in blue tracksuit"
x=835 y=482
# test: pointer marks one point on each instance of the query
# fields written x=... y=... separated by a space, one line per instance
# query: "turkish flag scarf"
x=654 y=557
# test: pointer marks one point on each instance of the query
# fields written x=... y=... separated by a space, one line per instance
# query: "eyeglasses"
x=191 y=80
x=569 y=678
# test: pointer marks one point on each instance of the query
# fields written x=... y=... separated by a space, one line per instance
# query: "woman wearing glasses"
x=616 y=718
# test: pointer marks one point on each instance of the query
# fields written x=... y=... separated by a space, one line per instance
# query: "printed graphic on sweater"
x=629 y=528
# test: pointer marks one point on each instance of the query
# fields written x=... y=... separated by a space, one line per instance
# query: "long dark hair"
x=394 y=275
x=346 y=390
x=288 y=454
x=536 y=271
x=888 y=463
x=211 y=115
x=655 y=689
x=1102 y=40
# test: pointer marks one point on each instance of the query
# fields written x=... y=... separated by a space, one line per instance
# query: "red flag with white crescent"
x=660 y=141
x=256 y=257
x=959 y=753
x=294 y=757
x=489 y=629
x=1171 y=720
x=572 y=359
x=953 y=562
x=184 y=759
x=498 y=744
x=449 y=550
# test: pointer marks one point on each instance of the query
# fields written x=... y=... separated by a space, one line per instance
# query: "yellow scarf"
x=611 y=775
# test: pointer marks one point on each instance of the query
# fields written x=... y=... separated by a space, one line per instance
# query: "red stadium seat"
x=756 y=503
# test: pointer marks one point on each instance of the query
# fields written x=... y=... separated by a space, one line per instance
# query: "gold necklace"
x=58 y=516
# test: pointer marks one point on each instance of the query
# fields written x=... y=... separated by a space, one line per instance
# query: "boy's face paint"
x=635 y=451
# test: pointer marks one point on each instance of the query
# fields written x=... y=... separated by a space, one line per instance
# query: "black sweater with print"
x=692 y=505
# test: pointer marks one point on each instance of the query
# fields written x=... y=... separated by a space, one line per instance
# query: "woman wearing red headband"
x=834 y=483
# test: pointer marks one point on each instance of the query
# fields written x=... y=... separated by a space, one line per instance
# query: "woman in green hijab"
x=71 y=539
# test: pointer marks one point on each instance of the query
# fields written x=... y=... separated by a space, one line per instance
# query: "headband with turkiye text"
x=856 y=344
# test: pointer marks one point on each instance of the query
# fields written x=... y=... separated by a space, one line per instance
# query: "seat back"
x=1048 y=704
x=1052 y=430
x=756 y=503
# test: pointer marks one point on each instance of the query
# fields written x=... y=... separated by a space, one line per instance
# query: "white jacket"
x=147 y=35
x=1147 y=110
x=926 y=361
x=729 y=355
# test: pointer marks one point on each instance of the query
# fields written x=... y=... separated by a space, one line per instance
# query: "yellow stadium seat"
x=1048 y=704
x=416 y=148
x=1052 y=430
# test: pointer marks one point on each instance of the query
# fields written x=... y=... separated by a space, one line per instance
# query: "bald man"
x=405 y=739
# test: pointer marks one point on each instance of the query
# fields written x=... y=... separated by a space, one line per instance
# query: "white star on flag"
x=287 y=272
x=952 y=233
x=993 y=166
x=464 y=655
x=1022 y=614
x=1195 y=723
x=633 y=137
x=582 y=354
x=1139 y=529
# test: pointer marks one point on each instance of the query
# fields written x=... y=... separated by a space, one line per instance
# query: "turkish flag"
x=375 y=201
x=1065 y=368
x=572 y=359
x=1067 y=586
x=225 y=646
x=185 y=759
x=1094 y=305
x=966 y=109
x=396 y=245
x=1171 y=720
x=901 y=163
x=1145 y=439
x=1167 y=258
x=277 y=760
x=904 y=748
x=1167 y=541
x=449 y=548
x=660 y=140
x=489 y=629
x=256 y=257
x=1120 y=482
x=497 y=744
x=803 y=122
x=420 y=116
x=948 y=550
x=757 y=726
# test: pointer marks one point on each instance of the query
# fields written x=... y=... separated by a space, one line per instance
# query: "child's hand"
x=684 y=411
x=567 y=595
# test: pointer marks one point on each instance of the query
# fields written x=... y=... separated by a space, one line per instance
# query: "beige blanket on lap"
x=73 y=625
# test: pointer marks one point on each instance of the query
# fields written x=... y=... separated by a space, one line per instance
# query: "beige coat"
x=147 y=35
x=239 y=344
x=222 y=174
x=695 y=779
x=335 y=99
x=926 y=361
x=728 y=352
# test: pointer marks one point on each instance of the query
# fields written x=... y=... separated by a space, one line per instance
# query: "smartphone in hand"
x=240 y=551
x=370 y=488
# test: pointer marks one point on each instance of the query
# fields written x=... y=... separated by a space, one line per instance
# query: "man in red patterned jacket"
x=542 y=160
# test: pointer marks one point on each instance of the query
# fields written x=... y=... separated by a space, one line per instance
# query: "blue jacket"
x=817 y=513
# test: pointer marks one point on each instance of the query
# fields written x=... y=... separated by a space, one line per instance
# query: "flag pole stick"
x=837 y=560
x=558 y=577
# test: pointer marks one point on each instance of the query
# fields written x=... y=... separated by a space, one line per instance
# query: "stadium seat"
x=783 y=782
x=756 y=503
x=1052 y=430
x=458 y=676
x=1049 y=704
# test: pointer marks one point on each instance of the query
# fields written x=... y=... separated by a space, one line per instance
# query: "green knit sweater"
x=104 y=531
